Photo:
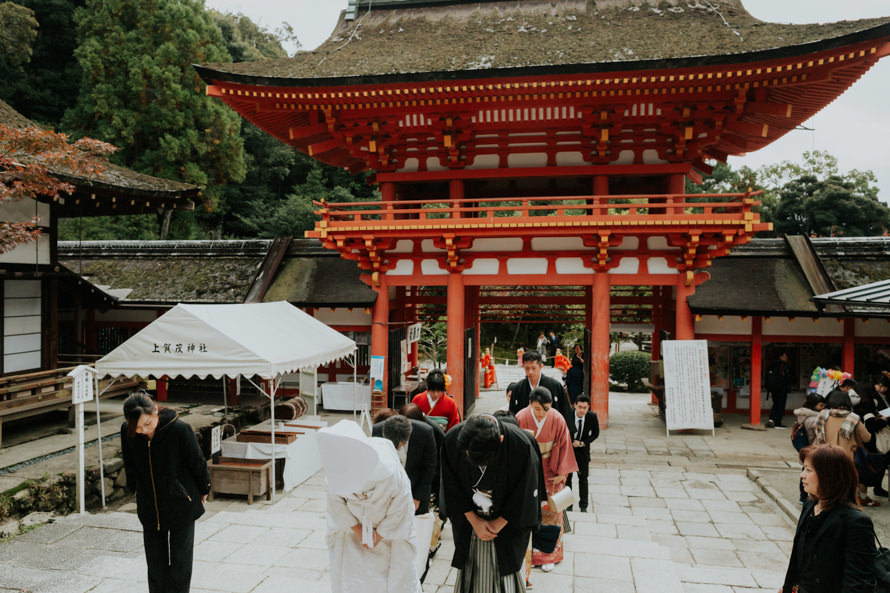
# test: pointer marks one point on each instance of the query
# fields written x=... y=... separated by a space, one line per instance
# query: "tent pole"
x=272 y=405
x=225 y=400
x=354 y=387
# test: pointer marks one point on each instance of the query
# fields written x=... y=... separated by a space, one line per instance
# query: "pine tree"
x=140 y=92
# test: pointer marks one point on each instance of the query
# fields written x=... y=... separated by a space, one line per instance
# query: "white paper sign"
x=81 y=385
x=215 y=439
x=376 y=373
x=404 y=349
x=687 y=385
x=413 y=333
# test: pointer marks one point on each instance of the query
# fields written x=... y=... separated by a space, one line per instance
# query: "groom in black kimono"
x=490 y=483
x=534 y=377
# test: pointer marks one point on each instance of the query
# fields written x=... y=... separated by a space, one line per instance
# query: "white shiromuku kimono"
x=367 y=485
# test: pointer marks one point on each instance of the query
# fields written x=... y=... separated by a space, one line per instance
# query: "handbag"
x=882 y=567
x=561 y=500
x=799 y=438
x=882 y=440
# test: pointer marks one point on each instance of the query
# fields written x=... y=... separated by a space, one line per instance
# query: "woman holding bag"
x=834 y=546
x=558 y=460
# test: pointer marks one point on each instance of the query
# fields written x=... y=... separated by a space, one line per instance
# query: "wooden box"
x=231 y=475
x=262 y=436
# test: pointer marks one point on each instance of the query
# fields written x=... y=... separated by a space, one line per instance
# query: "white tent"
x=265 y=339
x=251 y=339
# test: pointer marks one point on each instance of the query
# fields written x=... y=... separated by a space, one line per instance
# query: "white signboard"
x=687 y=385
x=215 y=439
x=81 y=385
x=413 y=333
x=404 y=347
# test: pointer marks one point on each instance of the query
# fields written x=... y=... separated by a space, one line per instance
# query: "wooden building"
x=541 y=144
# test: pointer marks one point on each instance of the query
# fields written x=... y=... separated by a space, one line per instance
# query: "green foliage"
x=140 y=92
x=629 y=368
x=7 y=508
x=44 y=88
x=136 y=227
x=296 y=213
x=809 y=197
x=18 y=29
x=245 y=40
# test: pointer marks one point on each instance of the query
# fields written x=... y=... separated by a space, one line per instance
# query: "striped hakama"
x=481 y=574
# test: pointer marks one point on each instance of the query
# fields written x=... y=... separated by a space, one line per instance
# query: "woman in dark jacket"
x=834 y=547
x=575 y=379
x=167 y=470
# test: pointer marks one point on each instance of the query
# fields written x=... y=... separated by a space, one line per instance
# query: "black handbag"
x=882 y=567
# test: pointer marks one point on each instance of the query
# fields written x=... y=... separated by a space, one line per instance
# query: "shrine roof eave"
x=222 y=73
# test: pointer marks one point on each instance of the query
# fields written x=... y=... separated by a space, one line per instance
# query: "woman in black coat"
x=834 y=547
x=167 y=470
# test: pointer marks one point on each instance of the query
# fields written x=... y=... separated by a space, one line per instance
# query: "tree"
x=245 y=40
x=830 y=207
x=296 y=213
x=48 y=85
x=18 y=29
x=28 y=159
x=139 y=91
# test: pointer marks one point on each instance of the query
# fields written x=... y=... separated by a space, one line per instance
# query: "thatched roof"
x=447 y=40
x=763 y=277
x=114 y=181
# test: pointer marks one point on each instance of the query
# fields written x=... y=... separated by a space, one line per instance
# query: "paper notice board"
x=687 y=385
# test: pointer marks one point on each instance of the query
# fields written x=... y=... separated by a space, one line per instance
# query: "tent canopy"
x=265 y=339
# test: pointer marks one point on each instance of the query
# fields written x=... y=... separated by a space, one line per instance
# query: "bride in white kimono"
x=370 y=513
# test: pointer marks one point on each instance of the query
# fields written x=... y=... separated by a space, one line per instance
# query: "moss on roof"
x=171 y=280
x=478 y=37
x=323 y=280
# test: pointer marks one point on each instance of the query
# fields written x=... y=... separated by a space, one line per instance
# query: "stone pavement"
x=674 y=514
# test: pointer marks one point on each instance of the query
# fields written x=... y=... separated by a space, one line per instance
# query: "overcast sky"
x=855 y=128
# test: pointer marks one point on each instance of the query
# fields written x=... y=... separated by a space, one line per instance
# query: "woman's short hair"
x=480 y=439
x=839 y=400
x=541 y=395
x=836 y=473
x=532 y=356
x=397 y=430
x=137 y=404
x=435 y=381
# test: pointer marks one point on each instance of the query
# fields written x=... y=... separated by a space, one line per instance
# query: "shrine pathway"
x=678 y=514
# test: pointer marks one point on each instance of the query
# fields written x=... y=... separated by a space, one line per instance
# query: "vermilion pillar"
x=848 y=352
x=455 y=336
x=456 y=192
x=756 y=367
x=685 y=323
x=599 y=345
x=380 y=338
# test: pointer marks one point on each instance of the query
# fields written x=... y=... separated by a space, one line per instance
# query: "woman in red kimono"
x=435 y=403
x=549 y=428
x=561 y=362
x=487 y=365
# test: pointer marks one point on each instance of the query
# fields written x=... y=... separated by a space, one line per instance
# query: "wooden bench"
x=231 y=475
x=30 y=394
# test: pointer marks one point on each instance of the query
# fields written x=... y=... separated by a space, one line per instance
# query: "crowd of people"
x=501 y=481
x=495 y=479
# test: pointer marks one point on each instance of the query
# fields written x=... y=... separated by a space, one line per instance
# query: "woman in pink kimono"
x=550 y=430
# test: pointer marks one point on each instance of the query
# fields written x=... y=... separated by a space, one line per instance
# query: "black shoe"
x=583 y=509
x=881 y=492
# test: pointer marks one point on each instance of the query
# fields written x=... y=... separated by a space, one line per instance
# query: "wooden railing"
x=30 y=394
x=703 y=206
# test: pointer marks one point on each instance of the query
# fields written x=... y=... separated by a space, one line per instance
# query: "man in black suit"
x=533 y=366
x=584 y=428
x=416 y=445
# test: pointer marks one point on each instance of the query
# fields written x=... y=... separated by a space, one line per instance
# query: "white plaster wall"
x=802 y=326
x=21 y=325
x=875 y=328
x=343 y=316
x=32 y=252
x=496 y=245
x=730 y=324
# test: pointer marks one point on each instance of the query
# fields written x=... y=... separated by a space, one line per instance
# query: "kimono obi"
x=545 y=449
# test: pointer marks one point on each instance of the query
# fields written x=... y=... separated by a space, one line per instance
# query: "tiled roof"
x=464 y=39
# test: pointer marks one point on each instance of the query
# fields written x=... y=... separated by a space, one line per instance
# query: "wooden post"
x=456 y=192
x=848 y=352
x=657 y=317
x=455 y=336
x=388 y=194
x=756 y=366
x=685 y=321
x=599 y=345
x=380 y=338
